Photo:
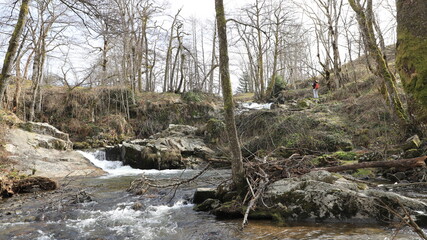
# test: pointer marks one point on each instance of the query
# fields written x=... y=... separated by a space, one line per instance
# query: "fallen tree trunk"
x=9 y=187
x=400 y=164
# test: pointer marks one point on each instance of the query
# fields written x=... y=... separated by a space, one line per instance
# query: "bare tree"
x=12 y=48
x=365 y=20
x=238 y=172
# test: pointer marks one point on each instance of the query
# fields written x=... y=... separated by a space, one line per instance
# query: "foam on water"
x=123 y=221
x=113 y=168
x=116 y=168
x=256 y=106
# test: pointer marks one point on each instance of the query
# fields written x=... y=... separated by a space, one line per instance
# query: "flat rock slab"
x=30 y=155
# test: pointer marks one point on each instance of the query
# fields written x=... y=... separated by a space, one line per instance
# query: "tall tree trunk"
x=169 y=53
x=211 y=77
x=178 y=90
x=272 y=82
x=412 y=54
x=12 y=48
x=260 y=60
x=35 y=78
x=146 y=53
x=238 y=172
x=365 y=20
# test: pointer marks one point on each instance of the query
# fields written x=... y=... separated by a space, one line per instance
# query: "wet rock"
x=176 y=147
x=81 y=197
x=322 y=195
x=202 y=194
x=207 y=205
x=229 y=210
x=112 y=153
x=136 y=156
x=413 y=142
x=137 y=206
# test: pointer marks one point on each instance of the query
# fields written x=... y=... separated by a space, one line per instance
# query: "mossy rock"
x=207 y=205
x=348 y=156
x=229 y=210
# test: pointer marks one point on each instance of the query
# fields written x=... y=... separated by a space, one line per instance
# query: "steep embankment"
x=354 y=117
x=96 y=117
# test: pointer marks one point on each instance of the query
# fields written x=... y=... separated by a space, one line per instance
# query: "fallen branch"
x=405 y=217
x=255 y=196
x=400 y=164
x=9 y=187
x=141 y=185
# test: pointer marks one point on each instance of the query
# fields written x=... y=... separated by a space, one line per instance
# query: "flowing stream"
x=161 y=215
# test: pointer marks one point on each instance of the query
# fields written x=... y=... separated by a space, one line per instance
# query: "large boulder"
x=176 y=147
x=322 y=195
x=46 y=156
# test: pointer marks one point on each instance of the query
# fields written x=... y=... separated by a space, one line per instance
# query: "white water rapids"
x=117 y=169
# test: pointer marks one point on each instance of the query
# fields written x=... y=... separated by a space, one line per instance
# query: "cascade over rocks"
x=176 y=147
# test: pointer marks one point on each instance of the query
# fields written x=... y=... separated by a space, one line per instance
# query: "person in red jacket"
x=316 y=88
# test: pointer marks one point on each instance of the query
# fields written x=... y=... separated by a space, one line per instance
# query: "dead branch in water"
x=142 y=184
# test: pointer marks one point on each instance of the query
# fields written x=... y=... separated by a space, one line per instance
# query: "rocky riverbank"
x=319 y=196
x=42 y=150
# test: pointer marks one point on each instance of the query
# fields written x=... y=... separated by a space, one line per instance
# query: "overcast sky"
x=204 y=9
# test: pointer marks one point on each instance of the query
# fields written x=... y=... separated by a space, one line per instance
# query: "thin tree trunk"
x=270 y=88
x=169 y=53
x=182 y=73
x=365 y=20
x=238 y=172
x=12 y=48
x=211 y=77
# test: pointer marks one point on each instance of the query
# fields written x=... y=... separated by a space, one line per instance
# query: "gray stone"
x=202 y=194
x=207 y=205
x=44 y=129
x=176 y=147
x=43 y=155
x=325 y=196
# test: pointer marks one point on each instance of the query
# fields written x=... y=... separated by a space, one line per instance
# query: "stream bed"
x=105 y=210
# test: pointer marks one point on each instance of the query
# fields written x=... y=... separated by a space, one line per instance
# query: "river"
x=162 y=215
